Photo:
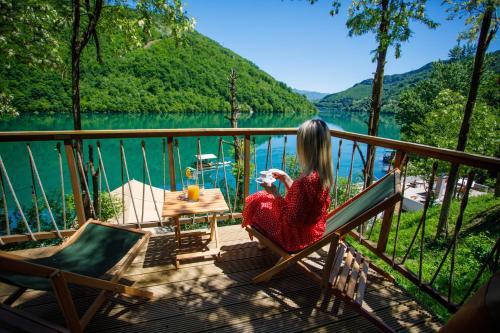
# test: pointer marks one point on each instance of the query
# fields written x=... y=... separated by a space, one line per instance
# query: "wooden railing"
x=404 y=151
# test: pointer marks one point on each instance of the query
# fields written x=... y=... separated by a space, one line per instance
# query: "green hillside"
x=157 y=78
x=356 y=98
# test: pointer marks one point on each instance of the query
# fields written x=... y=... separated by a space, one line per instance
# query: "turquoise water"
x=17 y=163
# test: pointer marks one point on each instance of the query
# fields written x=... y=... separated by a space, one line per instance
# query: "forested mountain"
x=160 y=77
x=356 y=98
x=312 y=96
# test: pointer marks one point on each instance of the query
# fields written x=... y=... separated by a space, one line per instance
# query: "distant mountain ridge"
x=311 y=96
x=355 y=99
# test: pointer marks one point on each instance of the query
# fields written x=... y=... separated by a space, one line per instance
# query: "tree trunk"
x=235 y=112
x=377 y=91
x=94 y=173
x=482 y=46
x=75 y=66
x=78 y=43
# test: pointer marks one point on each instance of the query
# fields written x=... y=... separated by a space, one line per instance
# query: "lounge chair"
x=81 y=260
x=345 y=270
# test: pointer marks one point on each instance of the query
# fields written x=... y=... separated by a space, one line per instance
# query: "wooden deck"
x=208 y=295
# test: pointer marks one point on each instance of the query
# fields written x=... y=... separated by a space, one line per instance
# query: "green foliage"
x=365 y=16
x=342 y=191
x=459 y=52
x=28 y=36
x=106 y=205
x=431 y=111
x=474 y=11
x=292 y=166
x=6 y=108
x=439 y=127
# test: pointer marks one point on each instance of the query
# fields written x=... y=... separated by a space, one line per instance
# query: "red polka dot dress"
x=294 y=221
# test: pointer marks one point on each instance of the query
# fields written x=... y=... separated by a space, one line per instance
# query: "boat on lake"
x=208 y=162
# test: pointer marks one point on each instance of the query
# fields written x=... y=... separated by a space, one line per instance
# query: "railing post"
x=75 y=183
x=389 y=213
x=171 y=166
x=247 y=167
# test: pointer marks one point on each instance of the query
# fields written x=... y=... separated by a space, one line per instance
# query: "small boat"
x=209 y=161
x=388 y=156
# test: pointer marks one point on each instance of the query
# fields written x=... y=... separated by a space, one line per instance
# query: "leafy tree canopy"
x=431 y=111
x=473 y=11
x=439 y=127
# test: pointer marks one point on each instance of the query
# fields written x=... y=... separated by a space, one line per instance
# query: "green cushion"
x=96 y=250
x=381 y=190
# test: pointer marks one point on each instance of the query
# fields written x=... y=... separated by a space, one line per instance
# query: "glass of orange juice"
x=193 y=192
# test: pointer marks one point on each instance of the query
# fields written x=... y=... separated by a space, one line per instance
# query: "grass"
x=480 y=231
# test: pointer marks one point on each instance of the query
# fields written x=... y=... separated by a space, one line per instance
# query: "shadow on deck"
x=208 y=295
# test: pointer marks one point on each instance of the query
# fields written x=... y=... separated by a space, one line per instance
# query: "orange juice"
x=193 y=192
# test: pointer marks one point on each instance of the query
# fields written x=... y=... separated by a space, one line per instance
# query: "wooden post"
x=75 y=184
x=389 y=213
x=247 y=166
x=171 y=166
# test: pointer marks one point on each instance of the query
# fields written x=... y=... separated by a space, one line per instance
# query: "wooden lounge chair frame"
x=60 y=279
x=334 y=239
x=346 y=280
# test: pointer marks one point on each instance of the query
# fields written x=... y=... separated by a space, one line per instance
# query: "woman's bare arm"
x=284 y=178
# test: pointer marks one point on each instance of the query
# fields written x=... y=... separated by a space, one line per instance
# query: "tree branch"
x=94 y=34
x=491 y=35
x=93 y=19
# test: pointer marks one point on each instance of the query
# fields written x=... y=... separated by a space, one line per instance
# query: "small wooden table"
x=211 y=202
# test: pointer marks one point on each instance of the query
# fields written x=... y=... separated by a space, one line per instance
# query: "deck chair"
x=375 y=199
x=95 y=249
x=346 y=281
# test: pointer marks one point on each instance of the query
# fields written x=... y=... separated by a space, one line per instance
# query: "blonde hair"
x=314 y=150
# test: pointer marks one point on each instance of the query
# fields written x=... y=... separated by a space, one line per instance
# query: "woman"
x=298 y=219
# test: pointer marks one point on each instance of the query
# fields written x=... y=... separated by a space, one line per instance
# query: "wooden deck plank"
x=149 y=308
x=218 y=295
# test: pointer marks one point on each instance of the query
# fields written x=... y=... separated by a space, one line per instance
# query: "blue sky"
x=303 y=46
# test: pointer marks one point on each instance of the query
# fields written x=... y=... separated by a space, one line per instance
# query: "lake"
x=17 y=163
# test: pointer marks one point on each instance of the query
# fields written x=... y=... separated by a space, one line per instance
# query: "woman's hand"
x=283 y=177
x=270 y=188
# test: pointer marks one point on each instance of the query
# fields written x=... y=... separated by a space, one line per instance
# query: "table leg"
x=178 y=230
x=212 y=230
x=216 y=231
